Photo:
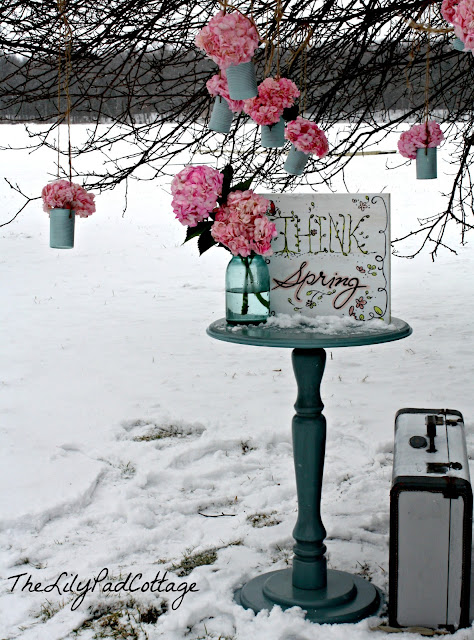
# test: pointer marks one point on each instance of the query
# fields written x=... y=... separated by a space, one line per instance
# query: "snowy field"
x=123 y=425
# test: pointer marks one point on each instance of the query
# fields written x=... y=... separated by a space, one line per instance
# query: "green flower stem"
x=245 y=297
x=249 y=278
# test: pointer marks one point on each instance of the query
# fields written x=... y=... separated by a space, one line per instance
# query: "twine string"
x=278 y=18
x=65 y=48
x=427 y=82
x=427 y=78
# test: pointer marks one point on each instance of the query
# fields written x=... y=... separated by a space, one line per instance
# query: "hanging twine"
x=419 y=26
x=302 y=50
x=271 y=48
x=278 y=18
x=303 y=81
x=65 y=47
x=427 y=76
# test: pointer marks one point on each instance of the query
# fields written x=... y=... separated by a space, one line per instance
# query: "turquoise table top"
x=309 y=337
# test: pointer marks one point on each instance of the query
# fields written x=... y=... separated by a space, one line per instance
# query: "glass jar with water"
x=247 y=290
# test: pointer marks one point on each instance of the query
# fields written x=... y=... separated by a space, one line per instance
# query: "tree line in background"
x=134 y=63
x=23 y=97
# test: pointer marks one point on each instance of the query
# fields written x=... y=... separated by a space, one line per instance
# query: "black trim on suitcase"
x=451 y=488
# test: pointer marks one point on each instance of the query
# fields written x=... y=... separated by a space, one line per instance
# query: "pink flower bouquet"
x=229 y=39
x=306 y=138
x=238 y=224
x=195 y=192
x=420 y=136
x=420 y=142
x=242 y=226
x=62 y=199
x=63 y=194
x=274 y=96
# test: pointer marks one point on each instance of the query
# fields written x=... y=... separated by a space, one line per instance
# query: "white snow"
x=123 y=425
x=333 y=325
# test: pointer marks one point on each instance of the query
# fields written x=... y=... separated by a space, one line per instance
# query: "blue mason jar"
x=247 y=290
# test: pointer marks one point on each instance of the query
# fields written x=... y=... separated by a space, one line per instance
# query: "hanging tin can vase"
x=61 y=228
x=295 y=162
x=426 y=168
x=242 y=81
x=457 y=44
x=247 y=285
x=273 y=136
x=221 y=116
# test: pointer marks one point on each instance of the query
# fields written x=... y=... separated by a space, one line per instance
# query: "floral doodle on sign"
x=362 y=204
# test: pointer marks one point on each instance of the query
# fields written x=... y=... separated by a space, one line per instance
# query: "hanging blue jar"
x=247 y=290
x=221 y=116
x=273 y=136
x=295 y=162
x=61 y=228
x=242 y=81
x=426 y=168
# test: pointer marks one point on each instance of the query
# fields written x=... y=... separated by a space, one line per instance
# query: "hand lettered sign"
x=331 y=255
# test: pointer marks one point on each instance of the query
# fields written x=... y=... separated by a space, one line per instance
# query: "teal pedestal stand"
x=327 y=596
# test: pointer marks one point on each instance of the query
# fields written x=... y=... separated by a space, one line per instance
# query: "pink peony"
x=418 y=137
x=229 y=39
x=242 y=226
x=195 y=191
x=63 y=194
x=217 y=86
x=273 y=97
x=307 y=137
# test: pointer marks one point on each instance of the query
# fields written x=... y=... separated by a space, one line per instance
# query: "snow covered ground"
x=123 y=425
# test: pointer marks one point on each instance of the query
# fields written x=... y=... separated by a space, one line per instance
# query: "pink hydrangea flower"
x=448 y=8
x=281 y=93
x=242 y=226
x=217 y=86
x=419 y=136
x=307 y=137
x=273 y=97
x=229 y=39
x=63 y=194
x=195 y=191
x=463 y=21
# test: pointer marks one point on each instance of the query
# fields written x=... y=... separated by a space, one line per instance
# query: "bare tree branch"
x=135 y=69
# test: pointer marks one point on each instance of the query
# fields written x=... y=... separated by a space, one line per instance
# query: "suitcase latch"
x=431 y=422
x=442 y=467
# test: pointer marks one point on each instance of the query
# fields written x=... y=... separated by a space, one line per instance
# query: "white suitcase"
x=430 y=521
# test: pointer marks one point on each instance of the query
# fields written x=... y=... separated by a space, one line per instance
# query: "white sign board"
x=331 y=255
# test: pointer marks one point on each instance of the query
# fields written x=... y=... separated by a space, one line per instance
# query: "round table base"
x=346 y=598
